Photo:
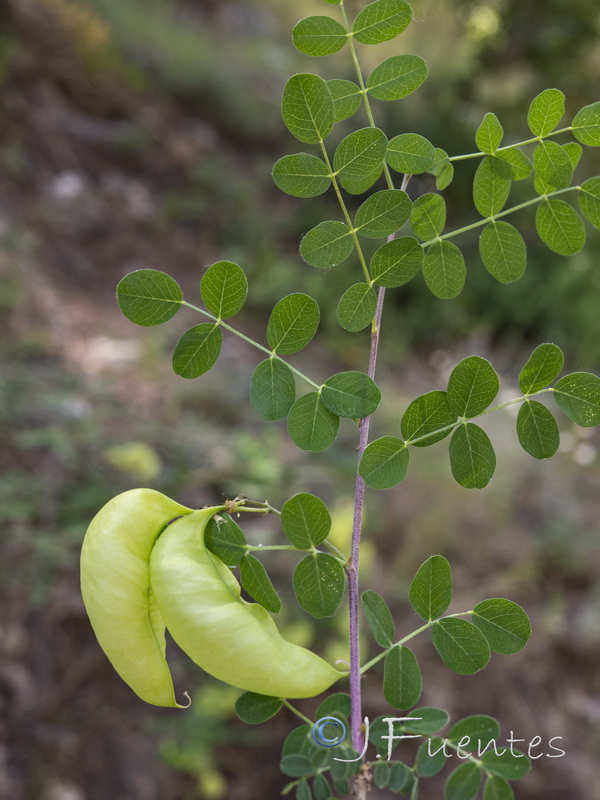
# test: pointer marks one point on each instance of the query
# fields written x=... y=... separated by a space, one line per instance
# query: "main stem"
x=352 y=568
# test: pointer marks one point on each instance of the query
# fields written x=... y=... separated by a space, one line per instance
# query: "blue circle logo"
x=318 y=731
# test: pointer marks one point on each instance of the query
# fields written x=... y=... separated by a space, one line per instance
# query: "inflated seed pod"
x=235 y=641
x=115 y=584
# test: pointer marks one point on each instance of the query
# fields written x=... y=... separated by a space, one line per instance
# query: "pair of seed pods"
x=141 y=575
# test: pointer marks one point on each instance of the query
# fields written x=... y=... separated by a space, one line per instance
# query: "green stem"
x=501 y=214
x=405 y=639
x=250 y=547
x=461 y=421
x=347 y=217
x=295 y=711
x=363 y=88
x=259 y=346
x=510 y=146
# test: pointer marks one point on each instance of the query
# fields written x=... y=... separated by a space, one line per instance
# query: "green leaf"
x=472 y=457
x=589 y=201
x=578 y=395
x=149 y=297
x=461 y=645
x=321 y=788
x=397 y=77
x=357 y=307
x=425 y=415
x=503 y=623
x=336 y=705
x=497 y=789
x=303 y=791
x=586 y=125
x=384 y=463
x=510 y=766
x=546 y=111
x=463 y=783
x=197 y=350
x=442 y=169
x=537 y=430
x=272 y=389
x=381 y=775
x=521 y=166
x=489 y=134
x=542 y=367
x=305 y=520
x=428 y=216
x=491 y=186
x=427 y=720
x=574 y=151
x=347 y=98
x=311 y=425
x=379 y=618
x=307 y=108
x=358 y=160
x=293 y=323
x=224 y=537
x=301 y=175
x=224 y=288
x=503 y=251
x=255 y=708
x=319 y=36
x=411 y=153
x=257 y=583
x=319 y=584
x=428 y=765
x=474 y=732
x=296 y=766
x=559 y=227
x=327 y=245
x=397 y=262
x=299 y=741
x=402 y=682
x=382 y=214
x=552 y=164
x=381 y=21
x=351 y=394
x=472 y=386
x=444 y=270
x=399 y=775
x=431 y=588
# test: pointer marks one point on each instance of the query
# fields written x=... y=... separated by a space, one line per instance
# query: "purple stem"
x=352 y=567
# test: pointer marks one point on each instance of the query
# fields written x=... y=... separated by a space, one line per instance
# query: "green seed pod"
x=235 y=641
x=115 y=584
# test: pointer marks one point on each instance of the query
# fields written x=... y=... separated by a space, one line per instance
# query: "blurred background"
x=141 y=133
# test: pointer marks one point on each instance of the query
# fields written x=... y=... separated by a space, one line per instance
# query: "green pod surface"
x=115 y=585
x=233 y=640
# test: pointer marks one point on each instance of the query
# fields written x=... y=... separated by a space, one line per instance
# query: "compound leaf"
x=578 y=395
x=397 y=77
x=552 y=164
x=559 y=227
x=402 y=681
x=463 y=783
x=546 y=111
x=351 y=394
x=301 y=175
x=319 y=582
x=508 y=765
x=319 y=36
x=254 y=579
x=520 y=164
x=586 y=125
x=358 y=160
x=497 y=789
x=149 y=297
x=311 y=425
x=426 y=415
x=537 y=430
x=272 y=389
x=503 y=251
x=472 y=457
x=307 y=108
x=444 y=270
x=347 y=98
x=293 y=323
x=428 y=216
x=384 y=463
x=397 y=262
x=491 y=186
x=542 y=367
x=460 y=644
x=504 y=624
x=197 y=350
x=431 y=588
x=224 y=537
x=411 y=153
x=379 y=618
x=305 y=520
x=327 y=245
x=357 y=307
x=472 y=386
x=489 y=134
x=254 y=708
x=381 y=21
x=224 y=288
x=382 y=214
x=589 y=201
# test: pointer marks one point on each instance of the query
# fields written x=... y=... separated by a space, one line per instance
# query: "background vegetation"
x=142 y=134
